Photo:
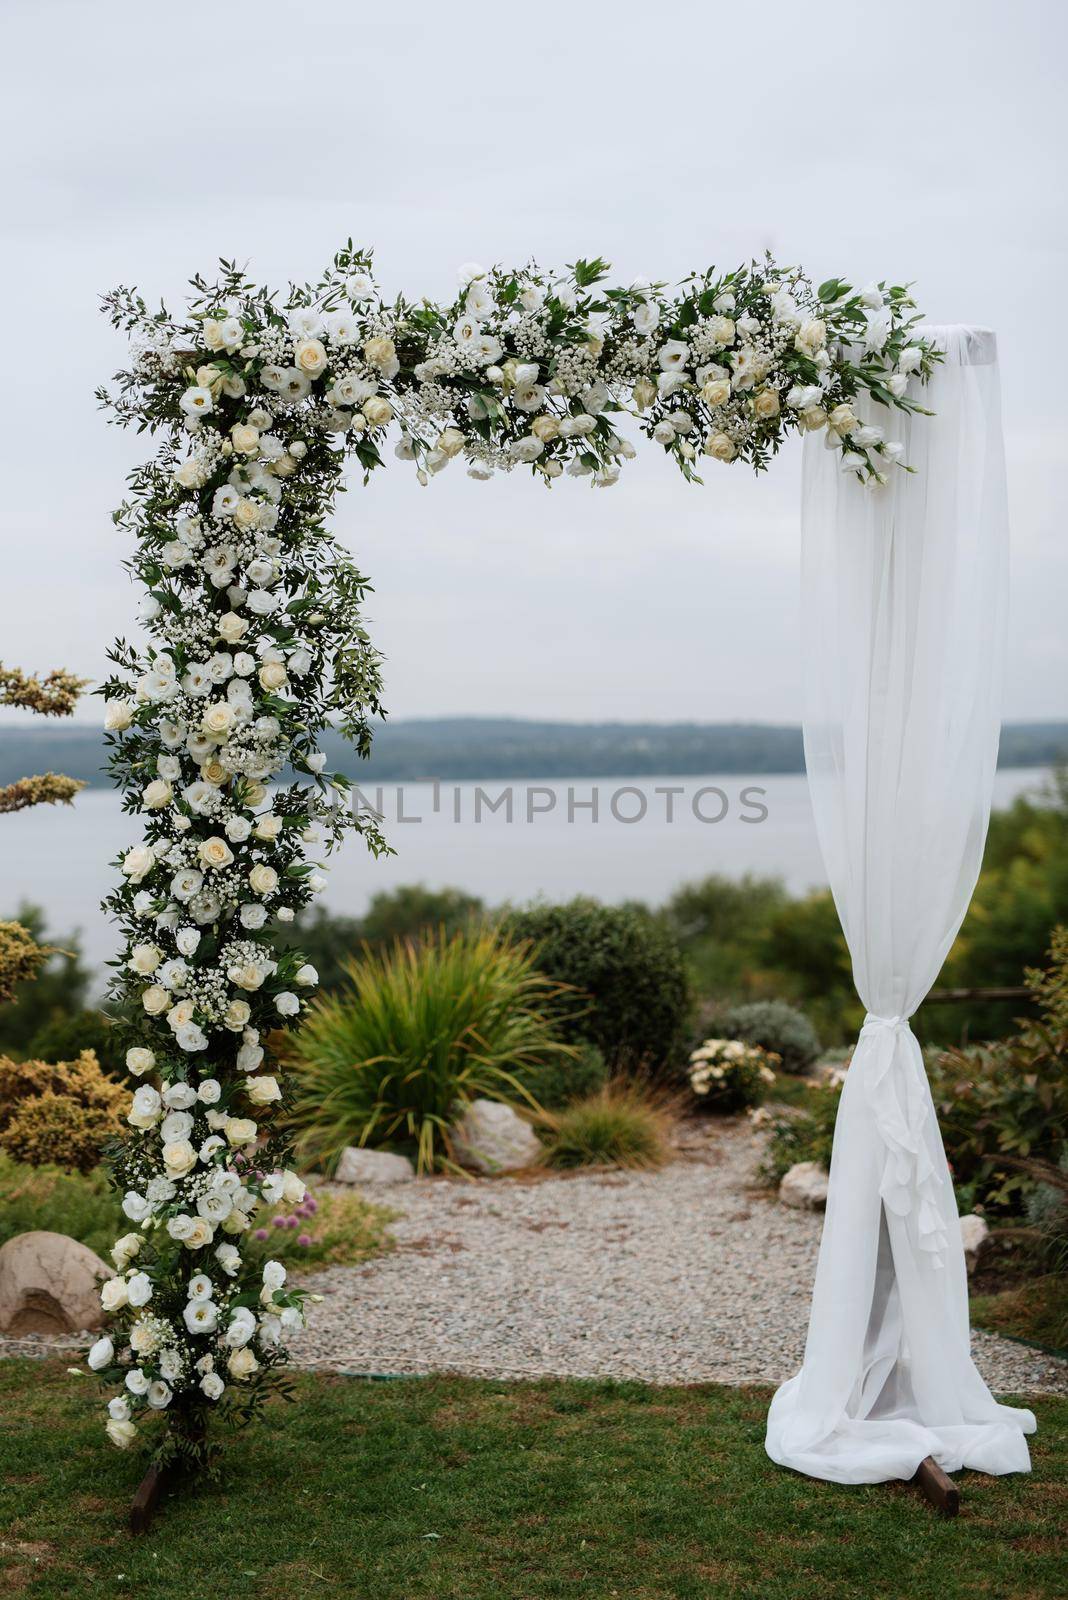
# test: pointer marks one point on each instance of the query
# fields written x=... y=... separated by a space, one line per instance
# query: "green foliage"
x=330 y=941
x=417 y=1032
x=329 y=1228
x=564 y=1078
x=62 y=1112
x=806 y=959
x=801 y=1134
x=720 y=923
x=60 y=989
x=84 y=1206
x=631 y=990
x=1005 y=1105
x=621 y=1125
x=777 y=1026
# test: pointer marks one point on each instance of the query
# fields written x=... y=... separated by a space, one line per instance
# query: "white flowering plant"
x=254 y=644
x=731 y=1075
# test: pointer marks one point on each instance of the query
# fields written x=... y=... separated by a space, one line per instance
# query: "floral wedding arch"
x=255 y=645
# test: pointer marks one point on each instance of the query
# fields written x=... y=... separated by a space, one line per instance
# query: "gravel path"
x=686 y=1275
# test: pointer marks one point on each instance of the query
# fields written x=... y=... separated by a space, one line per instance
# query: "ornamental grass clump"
x=416 y=1033
x=62 y=1113
x=622 y=1125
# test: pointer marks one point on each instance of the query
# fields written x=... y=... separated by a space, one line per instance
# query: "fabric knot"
x=890 y=1067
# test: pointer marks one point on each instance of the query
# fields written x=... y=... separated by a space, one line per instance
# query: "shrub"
x=729 y=1075
x=621 y=1125
x=630 y=989
x=84 y=1207
x=61 y=1113
x=774 y=1025
x=804 y=1134
x=328 y=1228
x=1004 y=1107
x=330 y=941
x=59 y=989
x=562 y=1079
x=415 y=1034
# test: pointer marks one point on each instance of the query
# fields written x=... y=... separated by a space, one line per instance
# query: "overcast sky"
x=921 y=141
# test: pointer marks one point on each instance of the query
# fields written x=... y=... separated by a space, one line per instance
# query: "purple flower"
x=260 y=1234
x=304 y=1240
x=292 y=1222
x=279 y=1222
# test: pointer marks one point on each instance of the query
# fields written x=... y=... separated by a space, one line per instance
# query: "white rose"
x=118 y=716
x=241 y=1364
x=175 y=1127
x=124 y=1250
x=179 y=1158
x=113 y=1294
x=286 y=1003
x=139 y=1289
x=155 y=999
x=263 y=880
x=101 y=1355
x=214 y=852
x=306 y=976
x=263 y=1090
x=239 y=1131
x=145 y=1107
x=720 y=447
x=274 y=1274
x=201 y=1316
x=121 y=1431
x=212 y=1385
x=135 y=1206
x=232 y=627
x=138 y=862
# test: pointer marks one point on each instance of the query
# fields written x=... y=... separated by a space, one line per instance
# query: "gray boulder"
x=490 y=1137
x=804 y=1186
x=373 y=1166
x=50 y=1284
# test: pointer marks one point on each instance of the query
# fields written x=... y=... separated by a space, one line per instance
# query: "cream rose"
x=237 y=1015
x=720 y=447
x=262 y=1090
x=765 y=404
x=309 y=357
x=842 y=418
x=214 y=852
x=450 y=442
x=811 y=336
x=232 y=627
x=156 y=794
x=138 y=862
x=113 y=1294
x=272 y=675
x=545 y=428
x=239 y=1131
x=379 y=351
x=378 y=411
x=140 y=1060
x=268 y=828
x=155 y=1000
x=199 y=1234
x=145 y=958
x=179 y=1157
x=721 y=330
x=245 y=439
x=218 y=718
x=812 y=418
x=263 y=879
x=241 y=1364
x=121 y=1431
x=118 y=716
x=246 y=515
x=716 y=392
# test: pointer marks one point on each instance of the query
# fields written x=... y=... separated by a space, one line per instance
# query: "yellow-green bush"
x=59 y=1112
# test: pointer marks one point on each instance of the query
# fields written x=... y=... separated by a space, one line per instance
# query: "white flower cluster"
x=255 y=644
x=716 y=1061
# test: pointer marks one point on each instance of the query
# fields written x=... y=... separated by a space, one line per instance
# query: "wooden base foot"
x=143 y=1508
x=937 y=1487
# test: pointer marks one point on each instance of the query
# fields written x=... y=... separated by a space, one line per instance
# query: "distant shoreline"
x=498 y=748
x=477 y=748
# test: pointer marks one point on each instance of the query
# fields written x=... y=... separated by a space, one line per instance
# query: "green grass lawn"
x=448 y=1489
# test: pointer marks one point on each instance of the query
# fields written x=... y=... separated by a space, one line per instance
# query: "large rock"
x=491 y=1137
x=973 y=1236
x=49 y=1284
x=804 y=1186
x=372 y=1166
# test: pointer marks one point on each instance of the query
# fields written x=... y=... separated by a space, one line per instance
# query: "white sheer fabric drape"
x=903 y=611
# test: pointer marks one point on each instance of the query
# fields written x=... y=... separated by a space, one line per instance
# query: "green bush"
x=562 y=1079
x=630 y=992
x=719 y=922
x=774 y=1025
x=59 y=990
x=801 y=1134
x=729 y=1075
x=82 y=1206
x=415 y=1034
x=330 y=942
x=619 y=1126
x=1004 y=1106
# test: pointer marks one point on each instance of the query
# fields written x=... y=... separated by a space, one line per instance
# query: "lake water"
x=647 y=837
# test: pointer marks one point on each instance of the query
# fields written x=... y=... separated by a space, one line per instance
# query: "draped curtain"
x=903 y=609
